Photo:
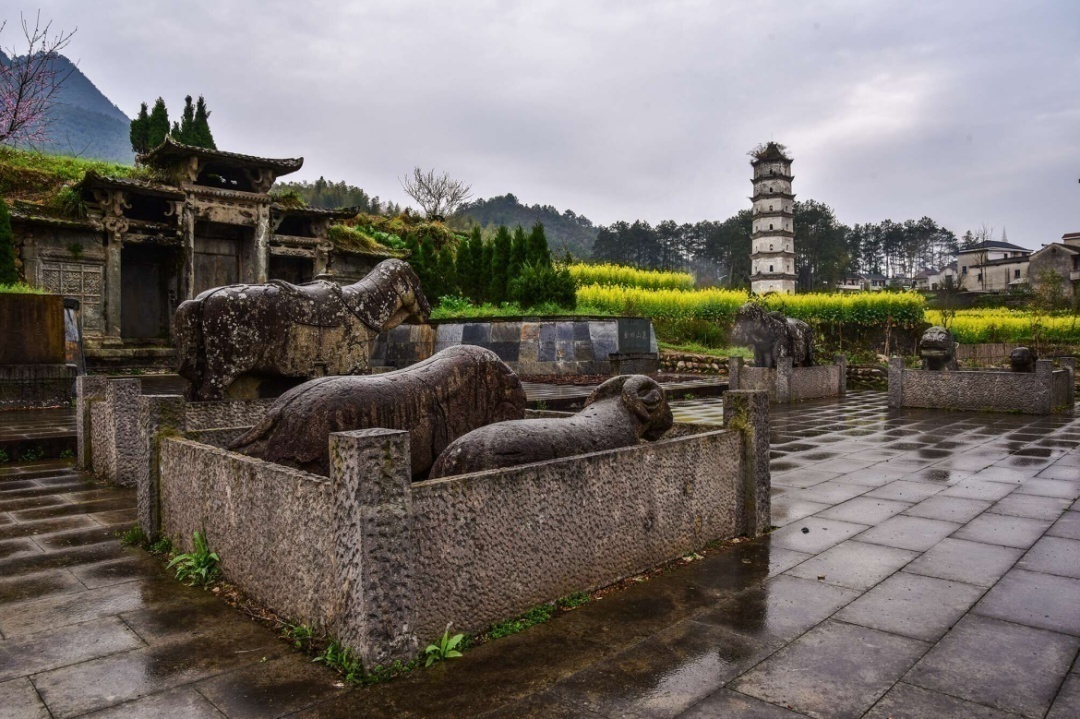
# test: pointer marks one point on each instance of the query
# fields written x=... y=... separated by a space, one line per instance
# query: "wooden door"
x=217 y=263
x=143 y=295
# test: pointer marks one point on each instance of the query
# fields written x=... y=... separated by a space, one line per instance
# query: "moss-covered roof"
x=170 y=150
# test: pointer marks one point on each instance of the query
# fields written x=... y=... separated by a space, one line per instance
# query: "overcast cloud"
x=966 y=111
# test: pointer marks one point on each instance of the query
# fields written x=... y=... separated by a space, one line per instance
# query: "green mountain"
x=84 y=122
x=565 y=231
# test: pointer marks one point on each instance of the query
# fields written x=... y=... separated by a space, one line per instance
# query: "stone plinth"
x=1047 y=390
x=385 y=563
x=786 y=383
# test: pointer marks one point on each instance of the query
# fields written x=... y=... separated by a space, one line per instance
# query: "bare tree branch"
x=438 y=196
x=29 y=82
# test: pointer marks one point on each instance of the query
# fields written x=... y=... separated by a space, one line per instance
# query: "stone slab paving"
x=926 y=564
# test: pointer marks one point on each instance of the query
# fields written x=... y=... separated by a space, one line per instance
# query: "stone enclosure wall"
x=532 y=347
x=787 y=383
x=1042 y=392
x=384 y=563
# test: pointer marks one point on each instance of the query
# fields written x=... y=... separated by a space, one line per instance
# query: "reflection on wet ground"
x=926 y=564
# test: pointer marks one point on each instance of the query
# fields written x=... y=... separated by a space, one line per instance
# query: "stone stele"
x=436 y=401
x=285 y=330
x=619 y=413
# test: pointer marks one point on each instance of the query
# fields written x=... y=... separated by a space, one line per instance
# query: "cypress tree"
x=430 y=280
x=187 y=133
x=8 y=274
x=201 y=126
x=478 y=271
x=416 y=259
x=518 y=253
x=500 y=266
x=537 y=252
x=447 y=271
x=487 y=254
x=464 y=266
x=140 y=127
x=157 y=124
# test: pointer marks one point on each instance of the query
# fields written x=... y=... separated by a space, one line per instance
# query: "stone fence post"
x=1069 y=363
x=158 y=415
x=785 y=369
x=748 y=412
x=1044 y=397
x=371 y=476
x=840 y=361
x=89 y=390
x=119 y=460
x=735 y=365
x=896 y=381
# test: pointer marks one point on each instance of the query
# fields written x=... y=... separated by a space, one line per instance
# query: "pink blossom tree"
x=30 y=81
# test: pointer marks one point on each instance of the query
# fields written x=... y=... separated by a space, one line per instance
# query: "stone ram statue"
x=436 y=401
x=772 y=335
x=279 y=329
x=937 y=348
x=619 y=413
x=1022 y=359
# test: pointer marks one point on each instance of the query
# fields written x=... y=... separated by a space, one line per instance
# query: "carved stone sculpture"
x=436 y=401
x=619 y=413
x=284 y=330
x=937 y=348
x=772 y=335
x=1022 y=359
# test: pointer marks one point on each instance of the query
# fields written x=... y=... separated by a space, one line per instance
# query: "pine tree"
x=537 y=252
x=201 y=126
x=500 y=265
x=157 y=124
x=186 y=132
x=518 y=253
x=8 y=274
x=448 y=272
x=140 y=128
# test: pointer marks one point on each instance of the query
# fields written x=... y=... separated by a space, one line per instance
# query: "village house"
x=145 y=246
x=1062 y=258
x=992 y=266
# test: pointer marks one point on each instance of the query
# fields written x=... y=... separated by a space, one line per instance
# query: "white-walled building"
x=992 y=266
x=772 y=257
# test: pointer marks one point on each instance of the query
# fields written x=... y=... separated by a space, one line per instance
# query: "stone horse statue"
x=772 y=335
x=253 y=333
x=937 y=348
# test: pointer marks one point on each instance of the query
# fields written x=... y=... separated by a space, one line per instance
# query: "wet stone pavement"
x=927 y=564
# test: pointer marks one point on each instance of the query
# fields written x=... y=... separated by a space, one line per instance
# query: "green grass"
x=455 y=308
x=700 y=349
x=21 y=288
x=63 y=168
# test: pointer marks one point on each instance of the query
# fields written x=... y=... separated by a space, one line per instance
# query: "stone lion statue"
x=937 y=348
x=1023 y=359
x=772 y=335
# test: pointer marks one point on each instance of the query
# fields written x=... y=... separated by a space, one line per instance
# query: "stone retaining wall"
x=533 y=346
x=383 y=563
x=1042 y=392
x=787 y=383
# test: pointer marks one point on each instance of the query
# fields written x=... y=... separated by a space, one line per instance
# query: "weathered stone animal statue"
x=436 y=401
x=284 y=330
x=772 y=335
x=937 y=348
x=619 y=413
x=1022 y=359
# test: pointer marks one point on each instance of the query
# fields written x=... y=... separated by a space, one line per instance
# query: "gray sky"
x=966 y=111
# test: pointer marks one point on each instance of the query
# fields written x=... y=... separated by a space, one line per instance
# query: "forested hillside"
x=566 y=231
x=85 y=123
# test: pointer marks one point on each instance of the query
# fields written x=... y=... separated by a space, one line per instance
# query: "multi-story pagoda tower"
x=772 y=256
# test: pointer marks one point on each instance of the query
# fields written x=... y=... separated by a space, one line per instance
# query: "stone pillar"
x=187 y=273
x=748 y=412
x=1069 y=363
x=261 y=251
x=896 y=379
x=734 y=368
x=785 y=370
x=121 y=397
x=89 y=390
x=1044 y=397
x=841 y=361
x=113 y=280
x=158 y=415
x=371 y=476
